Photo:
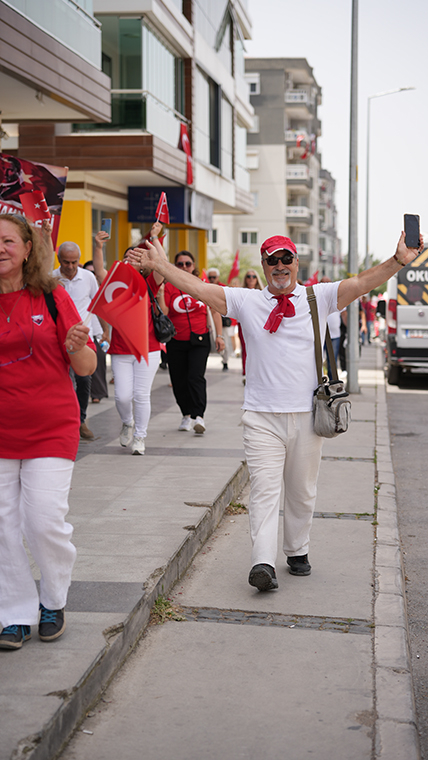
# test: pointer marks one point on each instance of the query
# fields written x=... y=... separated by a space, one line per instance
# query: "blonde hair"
x=35 y=270
x=259 y=285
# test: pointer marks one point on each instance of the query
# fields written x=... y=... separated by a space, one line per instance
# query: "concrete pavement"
x=334 y=644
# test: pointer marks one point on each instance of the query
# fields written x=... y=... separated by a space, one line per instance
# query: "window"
x=226 y=139
x=249 y=238
x=213 y=237
x=253 y=80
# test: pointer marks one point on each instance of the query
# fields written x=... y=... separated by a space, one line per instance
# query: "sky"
x=392 y=53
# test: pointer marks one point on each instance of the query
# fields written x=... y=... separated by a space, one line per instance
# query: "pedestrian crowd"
x=49 y=371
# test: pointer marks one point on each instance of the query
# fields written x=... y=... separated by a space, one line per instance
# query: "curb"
x=396 y=733
x=121 y=639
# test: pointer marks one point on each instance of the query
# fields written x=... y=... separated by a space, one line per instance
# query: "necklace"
x=8 y=316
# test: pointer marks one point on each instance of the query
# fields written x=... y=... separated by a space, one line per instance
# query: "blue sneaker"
x=51 y=624
x=13 y=636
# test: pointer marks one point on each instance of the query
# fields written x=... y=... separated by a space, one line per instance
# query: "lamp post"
x=369 y=99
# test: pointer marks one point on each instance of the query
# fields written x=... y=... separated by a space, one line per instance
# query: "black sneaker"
x=225 y=367
x=13 y=636
x=51 y=624
x=263 y=577
x=299 y=565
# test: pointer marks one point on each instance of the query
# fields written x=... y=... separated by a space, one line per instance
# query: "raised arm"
x=150 y=258
x=98 y=258
x=362 y=283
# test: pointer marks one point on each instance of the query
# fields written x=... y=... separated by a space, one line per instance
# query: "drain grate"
x=276 y=619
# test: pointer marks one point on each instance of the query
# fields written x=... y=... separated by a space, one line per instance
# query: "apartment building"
x=283 y=162
x=180 y=111
x=330 y=256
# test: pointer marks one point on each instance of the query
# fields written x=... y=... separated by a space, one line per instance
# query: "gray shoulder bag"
x=331 y=407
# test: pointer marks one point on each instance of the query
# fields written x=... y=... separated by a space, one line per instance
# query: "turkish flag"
x=162 y=213
x=34 y=206
x=122 y=302
x=234 y=272
x=204 y=276
x=185 y=145
x=312 y=280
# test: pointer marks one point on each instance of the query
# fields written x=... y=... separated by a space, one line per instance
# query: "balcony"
x=297 y=97
x=297 y=175
x=291 y=136
x=304 y=250
x=298 y=216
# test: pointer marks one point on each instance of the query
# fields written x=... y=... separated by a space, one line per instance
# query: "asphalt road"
x=408 y=417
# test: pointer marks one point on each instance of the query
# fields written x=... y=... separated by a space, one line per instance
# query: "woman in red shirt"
x=41 y=335
x=189 y=349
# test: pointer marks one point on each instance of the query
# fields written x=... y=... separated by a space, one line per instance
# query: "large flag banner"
x=122 y=302
x=19 y=177
x=234 y=272
x=184 y=144
x=162 y=212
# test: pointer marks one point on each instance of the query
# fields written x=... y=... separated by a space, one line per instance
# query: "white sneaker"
x=199 y=426
x=138 y=446
x=186 y=423
x=126 y=435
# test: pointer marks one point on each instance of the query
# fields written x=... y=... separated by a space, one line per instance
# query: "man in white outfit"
x=283 y=452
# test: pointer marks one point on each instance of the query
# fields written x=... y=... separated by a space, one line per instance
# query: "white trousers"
x=283 y=457
x=33 y=504
x=133 y=382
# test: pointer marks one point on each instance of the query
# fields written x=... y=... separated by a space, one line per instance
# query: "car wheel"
x=393 y=374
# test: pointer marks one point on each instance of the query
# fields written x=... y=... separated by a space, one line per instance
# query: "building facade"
x=284 y=165
x=177 y=77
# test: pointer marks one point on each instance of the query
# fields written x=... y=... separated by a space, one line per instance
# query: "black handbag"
x=162 y=326
x=331 y=407
x=196 y=339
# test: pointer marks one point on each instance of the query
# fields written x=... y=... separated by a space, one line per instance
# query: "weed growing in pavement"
x=164 y=610
x=235 y=508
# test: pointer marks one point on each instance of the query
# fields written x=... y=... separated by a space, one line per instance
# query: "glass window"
x=253 y=80
x=226 y=139
x=249 y=237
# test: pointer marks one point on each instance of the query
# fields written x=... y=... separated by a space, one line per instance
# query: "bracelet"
x=220 y=336
x=70 y=352
x=398 y=260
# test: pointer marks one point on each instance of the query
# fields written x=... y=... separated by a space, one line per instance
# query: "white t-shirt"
x=82 y=289
x=281 y=373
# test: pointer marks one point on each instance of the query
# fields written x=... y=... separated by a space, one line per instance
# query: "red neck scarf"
x=284 y=308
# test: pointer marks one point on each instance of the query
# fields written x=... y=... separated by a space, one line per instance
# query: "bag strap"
x=153 y=301
x=187 y=312
x=50 y=303
x=312 y=300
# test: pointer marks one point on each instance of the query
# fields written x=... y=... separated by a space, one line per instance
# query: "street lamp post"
x=370 y=98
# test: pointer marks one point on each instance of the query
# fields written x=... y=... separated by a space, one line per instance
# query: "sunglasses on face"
x=251 y=277
x=286 y=258
x=182 y=264
x=212 y=276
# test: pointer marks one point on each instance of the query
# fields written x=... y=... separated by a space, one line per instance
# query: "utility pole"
x=352 y=359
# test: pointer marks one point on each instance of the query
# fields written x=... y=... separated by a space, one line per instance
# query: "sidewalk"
x=139 y=521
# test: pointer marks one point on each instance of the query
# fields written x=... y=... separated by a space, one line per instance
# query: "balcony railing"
x=303 y=249
x=297 y=96
x=298 y=215
x=300 y=172
x=291 y=135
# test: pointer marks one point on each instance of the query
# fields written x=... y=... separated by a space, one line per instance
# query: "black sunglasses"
x=182 y=264
x=251 y=276
x=286 y=258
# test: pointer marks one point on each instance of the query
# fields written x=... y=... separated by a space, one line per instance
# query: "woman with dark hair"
x=41 y=335
x=189 y=349
x=133 y=380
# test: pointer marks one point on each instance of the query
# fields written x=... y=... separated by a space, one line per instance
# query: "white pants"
x=34 y=503
x=283 y=456
x=132 y=387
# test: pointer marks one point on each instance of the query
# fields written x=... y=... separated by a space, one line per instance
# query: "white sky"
x=392 y=54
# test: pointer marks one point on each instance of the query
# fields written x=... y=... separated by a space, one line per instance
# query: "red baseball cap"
x=278 y=243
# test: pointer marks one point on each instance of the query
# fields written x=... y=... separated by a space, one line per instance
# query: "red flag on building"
x=162 y=213
x=313 y=279
x=122 y=302
x=234 y=272
x=184 y=144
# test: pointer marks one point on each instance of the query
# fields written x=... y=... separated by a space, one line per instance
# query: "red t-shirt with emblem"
x=194 y=319
x=118 y=345
x=39 y=410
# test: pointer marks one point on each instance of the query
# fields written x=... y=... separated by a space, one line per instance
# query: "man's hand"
x=405 y=255
x=156 y=230
x=144 y=257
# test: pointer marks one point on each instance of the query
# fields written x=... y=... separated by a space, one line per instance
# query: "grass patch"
x=236 y=508
x=164 y=610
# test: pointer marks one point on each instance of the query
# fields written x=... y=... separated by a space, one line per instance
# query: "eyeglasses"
x=251 y=276
x=212 y=276
x=182 y=264
x=286 y=258
x=5 y=360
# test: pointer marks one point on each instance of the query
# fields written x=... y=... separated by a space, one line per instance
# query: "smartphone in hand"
x=411 y=228
x=106 y=226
